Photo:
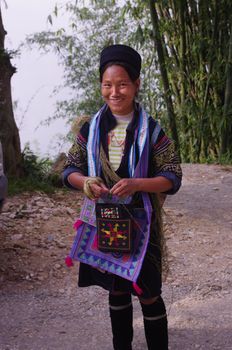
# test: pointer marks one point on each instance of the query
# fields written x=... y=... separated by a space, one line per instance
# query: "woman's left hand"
x=125 y=187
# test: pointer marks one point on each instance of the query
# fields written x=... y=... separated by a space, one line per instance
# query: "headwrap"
x=121 y=53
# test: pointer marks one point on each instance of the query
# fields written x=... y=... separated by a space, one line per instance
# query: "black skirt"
x=149 y=280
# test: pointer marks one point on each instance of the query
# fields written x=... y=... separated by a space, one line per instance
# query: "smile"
x=115 y=100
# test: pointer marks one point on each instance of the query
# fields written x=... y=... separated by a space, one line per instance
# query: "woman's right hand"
x=98 y=190
x=93 y=187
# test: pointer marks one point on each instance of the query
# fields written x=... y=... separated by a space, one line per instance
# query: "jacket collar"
x=108 y=121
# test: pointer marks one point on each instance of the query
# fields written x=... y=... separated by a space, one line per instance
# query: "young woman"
x=123 y=153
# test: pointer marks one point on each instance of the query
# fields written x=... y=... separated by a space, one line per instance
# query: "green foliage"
x=225 y=159
x=20 y=185
x=196 y=40
x=36 y=175
x=78 y=48
x=33 y=166
x=4 y=53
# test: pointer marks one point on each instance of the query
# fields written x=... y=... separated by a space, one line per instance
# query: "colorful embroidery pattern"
x=125 y=265
x=88 y=212
x=110 y=213
x=114 y=235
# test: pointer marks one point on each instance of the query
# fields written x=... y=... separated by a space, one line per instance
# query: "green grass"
x=17 y=186
x=37 y=175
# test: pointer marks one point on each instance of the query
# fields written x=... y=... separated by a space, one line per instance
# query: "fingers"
x=104 y=188
x=119 y=190
x=120 y=185
x=115 y=189
x=98 y=190
x=123 y=188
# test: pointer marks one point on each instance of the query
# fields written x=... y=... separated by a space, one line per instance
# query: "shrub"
x=37 y=175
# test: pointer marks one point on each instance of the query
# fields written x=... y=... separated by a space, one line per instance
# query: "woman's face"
x=118 y=91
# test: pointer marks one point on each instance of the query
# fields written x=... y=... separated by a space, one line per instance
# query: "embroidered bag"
x=114 y=227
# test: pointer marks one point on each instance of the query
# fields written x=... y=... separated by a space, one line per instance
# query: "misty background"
x=37 y=76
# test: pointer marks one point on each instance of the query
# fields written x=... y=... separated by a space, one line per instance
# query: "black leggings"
x=121 y=314
x=155 y=323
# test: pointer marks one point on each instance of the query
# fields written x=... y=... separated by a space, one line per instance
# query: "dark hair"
x=130 y=71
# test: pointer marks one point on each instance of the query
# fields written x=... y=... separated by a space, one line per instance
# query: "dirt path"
x=42 y=309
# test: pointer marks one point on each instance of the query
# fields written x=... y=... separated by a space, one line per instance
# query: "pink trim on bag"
x=138 y=290
x=68 y=261
x=77 y=224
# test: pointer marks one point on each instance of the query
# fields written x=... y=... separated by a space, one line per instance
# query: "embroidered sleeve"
x=166 y=162
x=77 y=156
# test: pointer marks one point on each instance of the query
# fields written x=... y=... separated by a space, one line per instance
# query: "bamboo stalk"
x=164 y=75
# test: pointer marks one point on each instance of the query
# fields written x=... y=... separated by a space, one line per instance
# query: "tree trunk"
x=164 y=75
x=9 y=134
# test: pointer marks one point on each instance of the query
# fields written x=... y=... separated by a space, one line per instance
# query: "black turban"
x=121 y=53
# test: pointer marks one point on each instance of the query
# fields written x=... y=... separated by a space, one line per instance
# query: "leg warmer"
x=155 y=325
x=121 y=314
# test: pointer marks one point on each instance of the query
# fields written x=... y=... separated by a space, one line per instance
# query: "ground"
x=42 y=308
